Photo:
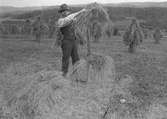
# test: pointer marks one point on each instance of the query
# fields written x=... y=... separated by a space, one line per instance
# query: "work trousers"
x=69 y=49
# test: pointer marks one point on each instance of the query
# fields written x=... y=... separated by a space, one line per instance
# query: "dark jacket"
x=69 y=33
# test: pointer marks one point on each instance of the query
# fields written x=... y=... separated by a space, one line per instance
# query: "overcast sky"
x=22 y=3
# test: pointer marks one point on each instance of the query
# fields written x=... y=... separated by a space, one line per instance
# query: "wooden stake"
x=88 y=50
x=88 y=42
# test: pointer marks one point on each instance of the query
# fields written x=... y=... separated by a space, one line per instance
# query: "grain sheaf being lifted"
x=86 y=17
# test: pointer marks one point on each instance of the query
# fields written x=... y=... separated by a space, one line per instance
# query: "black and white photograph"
x=83 y=59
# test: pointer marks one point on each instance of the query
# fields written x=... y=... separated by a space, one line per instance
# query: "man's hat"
x=63 y=7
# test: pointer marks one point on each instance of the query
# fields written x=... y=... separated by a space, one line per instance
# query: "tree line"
x=153 y=16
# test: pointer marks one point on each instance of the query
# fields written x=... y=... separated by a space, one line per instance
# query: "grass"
x=148 y=66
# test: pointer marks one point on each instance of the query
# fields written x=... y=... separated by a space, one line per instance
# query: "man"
x=68 y=34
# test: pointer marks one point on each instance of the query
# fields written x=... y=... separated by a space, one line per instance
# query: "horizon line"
x=82 y=4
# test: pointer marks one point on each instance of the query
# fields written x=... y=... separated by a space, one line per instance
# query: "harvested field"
x=29 y=73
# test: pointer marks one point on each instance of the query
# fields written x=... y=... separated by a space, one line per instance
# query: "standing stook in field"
x=27 y=28
x=133 y=36
x=157 y=35
x=51 y=27
x=96 y=31
x=37 y=29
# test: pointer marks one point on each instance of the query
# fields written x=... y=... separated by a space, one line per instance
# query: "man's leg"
x=66 y=50
x=74 y=54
